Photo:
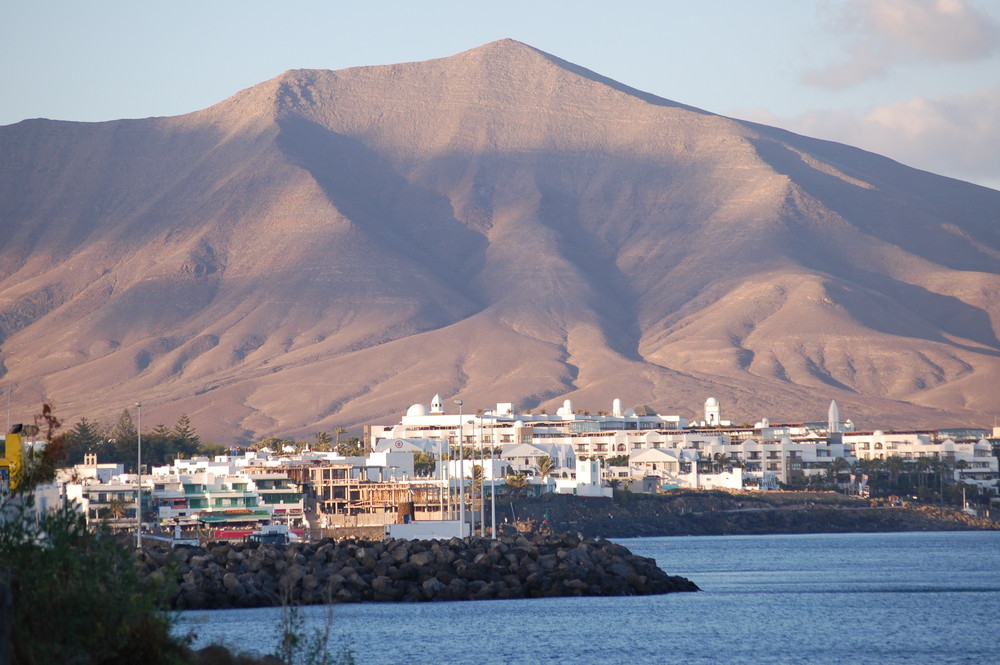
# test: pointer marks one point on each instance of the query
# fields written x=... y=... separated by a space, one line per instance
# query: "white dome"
x=711 y=401
x=418 y=410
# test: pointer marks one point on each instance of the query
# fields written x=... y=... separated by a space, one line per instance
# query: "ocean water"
x=845 y=599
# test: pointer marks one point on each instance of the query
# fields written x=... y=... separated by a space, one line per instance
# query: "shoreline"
x=718 y=512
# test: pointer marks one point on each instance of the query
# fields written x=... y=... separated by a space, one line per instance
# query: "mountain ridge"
x=328 y=247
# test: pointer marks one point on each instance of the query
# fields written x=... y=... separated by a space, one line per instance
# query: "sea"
x=847 y=599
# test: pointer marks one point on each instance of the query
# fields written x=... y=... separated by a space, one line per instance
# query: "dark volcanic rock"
x=717 y=512
x=533 y=566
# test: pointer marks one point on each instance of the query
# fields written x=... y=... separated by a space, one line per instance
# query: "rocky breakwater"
x=240 y=575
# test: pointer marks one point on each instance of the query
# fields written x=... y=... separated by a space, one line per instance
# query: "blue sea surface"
x=854 y=599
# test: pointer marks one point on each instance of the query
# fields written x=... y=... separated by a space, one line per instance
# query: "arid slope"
x=328 y=247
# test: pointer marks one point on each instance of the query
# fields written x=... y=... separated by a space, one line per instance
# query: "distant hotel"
x=570 y=451
x=643 y=446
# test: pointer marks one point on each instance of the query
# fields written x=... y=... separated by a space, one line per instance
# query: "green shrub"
x=78 y=595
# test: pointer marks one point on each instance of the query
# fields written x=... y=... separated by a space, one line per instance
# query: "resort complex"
x=442 y=465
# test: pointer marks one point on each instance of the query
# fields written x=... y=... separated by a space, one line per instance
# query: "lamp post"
x=440 y=470
x=461 y=474
x=482 y=482
x=138 y=477
x=493 y=480
x=472 y=480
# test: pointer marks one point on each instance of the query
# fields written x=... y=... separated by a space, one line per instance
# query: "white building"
x=505 y=425
x=970 y=461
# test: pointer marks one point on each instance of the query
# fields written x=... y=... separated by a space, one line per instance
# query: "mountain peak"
x=328 y=247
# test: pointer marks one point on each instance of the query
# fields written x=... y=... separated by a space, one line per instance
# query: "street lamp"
x=493 y=478
x=472 y=479
x=440 y=471
x=461 y=473
x=138 y=477
x=482 y=483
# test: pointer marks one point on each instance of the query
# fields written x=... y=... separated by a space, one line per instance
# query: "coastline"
x=718 y=512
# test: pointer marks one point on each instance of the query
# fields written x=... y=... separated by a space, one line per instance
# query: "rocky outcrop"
x=242 y=575
x=704 y=513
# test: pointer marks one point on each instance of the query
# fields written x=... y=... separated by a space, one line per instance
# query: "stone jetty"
x=526 y=566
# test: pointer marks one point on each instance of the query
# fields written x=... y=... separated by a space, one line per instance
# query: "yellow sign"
x=10 y=460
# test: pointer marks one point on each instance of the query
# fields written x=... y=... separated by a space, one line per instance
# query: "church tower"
x=713 y=412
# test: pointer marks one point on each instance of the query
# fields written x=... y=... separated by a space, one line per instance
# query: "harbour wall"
x=523 y=566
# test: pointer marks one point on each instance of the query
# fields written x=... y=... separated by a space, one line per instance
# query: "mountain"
x=328 y=247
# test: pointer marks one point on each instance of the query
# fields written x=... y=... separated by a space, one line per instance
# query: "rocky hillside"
x=328 y=247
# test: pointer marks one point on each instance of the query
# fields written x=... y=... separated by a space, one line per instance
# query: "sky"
x=915 y=80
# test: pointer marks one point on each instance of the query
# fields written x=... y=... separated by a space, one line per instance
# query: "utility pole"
x=461 y=474
x=138 y=477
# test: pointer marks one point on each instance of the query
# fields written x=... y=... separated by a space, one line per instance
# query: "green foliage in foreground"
x=77 y=595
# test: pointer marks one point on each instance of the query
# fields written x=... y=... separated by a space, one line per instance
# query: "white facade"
x=587 y=481
x=971 y=462
x=503 y=424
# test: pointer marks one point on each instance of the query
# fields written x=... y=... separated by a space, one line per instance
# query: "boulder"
x=538 y=565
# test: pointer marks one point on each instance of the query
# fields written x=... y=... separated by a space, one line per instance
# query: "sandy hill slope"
x=328 y=247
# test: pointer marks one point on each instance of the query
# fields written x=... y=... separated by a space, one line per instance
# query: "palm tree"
x=924 y=467
x=894 y=466
x=546 y=465
x=115 y=510
x=836 y=468
x=722 y=461
x=516 y=483
x=323 y=440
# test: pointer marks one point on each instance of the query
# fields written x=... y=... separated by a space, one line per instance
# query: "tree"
x=187 y=438
x=116 y=509
x=516 y=483
x=210 y=449
x=78 y=595
x=124 y=427
x=272 y=443
x=36 y=466
x=546 y=465
x=477 y=478
x=423 y=464
x=833 y=470
x=323 y=440
x=352 y=447
x=84 y=438
x=124 y=440
x=894 y=466
x=720 y=461
x=617 y=460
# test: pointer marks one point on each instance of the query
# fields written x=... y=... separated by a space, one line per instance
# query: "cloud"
x=887 y=33
x=955 y=136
